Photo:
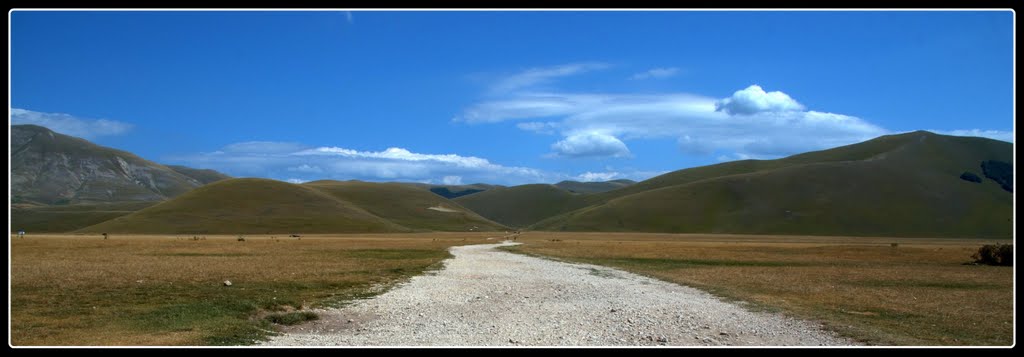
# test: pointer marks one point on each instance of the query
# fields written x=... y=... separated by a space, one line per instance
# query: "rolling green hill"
x=406 y=205
x=593 y=187
x=261 y=206
x=250 y=206
x=896 y=185
x=521 y=206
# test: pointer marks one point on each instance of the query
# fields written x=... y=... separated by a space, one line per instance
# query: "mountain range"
x=916 y=184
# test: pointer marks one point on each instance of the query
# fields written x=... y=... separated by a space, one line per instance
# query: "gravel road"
x=487 y=297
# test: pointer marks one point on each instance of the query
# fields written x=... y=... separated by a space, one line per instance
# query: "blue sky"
x=504 y=97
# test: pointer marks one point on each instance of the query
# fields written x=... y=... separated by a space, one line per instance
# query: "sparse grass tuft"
x=292 y=318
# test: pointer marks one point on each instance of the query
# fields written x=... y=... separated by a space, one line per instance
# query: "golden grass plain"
x=919 y=292
x=146 y=290
x=82 y=290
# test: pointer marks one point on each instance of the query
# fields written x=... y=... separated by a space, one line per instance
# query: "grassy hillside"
x=898 y=185
x=406 y=205
x=521 y=206
x=593 y=187
x=204 y=176
x=249 y=206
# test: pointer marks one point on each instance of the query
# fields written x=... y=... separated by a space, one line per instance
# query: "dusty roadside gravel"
x=487 y=297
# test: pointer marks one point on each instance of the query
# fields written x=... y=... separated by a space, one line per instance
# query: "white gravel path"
x=487 y=297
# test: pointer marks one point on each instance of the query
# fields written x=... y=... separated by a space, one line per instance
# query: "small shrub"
x=241 y=238
x=292 y=318
x=970 y=176
x=994 y=254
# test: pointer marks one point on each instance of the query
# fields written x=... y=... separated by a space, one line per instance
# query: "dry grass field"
x=82 y=290
x=917 y=293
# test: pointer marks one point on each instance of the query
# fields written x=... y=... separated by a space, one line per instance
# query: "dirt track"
x=487 y=297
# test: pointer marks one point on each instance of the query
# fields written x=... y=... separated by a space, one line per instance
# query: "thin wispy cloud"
x=70 y=125
x=348 y=17
x=536 y=76
x=656 y=73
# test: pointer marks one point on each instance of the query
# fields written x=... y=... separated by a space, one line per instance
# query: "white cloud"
x=536 y=76
x=392 y=164
x=1006 y=136
x=591 y=145
x=538 y=127
x=306 y=168
x=771 y=125
x=596 y=176
x=656 y=73
x=753 y=100
x=70 y=125
x=329 y=162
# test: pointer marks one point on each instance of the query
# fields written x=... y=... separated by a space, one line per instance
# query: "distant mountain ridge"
x=51 y=168
x=61 y=183
x=905 y=185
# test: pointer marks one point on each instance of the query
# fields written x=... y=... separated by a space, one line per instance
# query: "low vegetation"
x=994 y=254
x=73 y=290
x=912 y=292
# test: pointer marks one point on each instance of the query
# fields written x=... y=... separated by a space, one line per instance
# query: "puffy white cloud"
x=590 y=145
x=1006 y=136
x=656 y=73
x=452 y=180
x=596 y=176
x=70 y=125
x=753 y=100
x=295 y=180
